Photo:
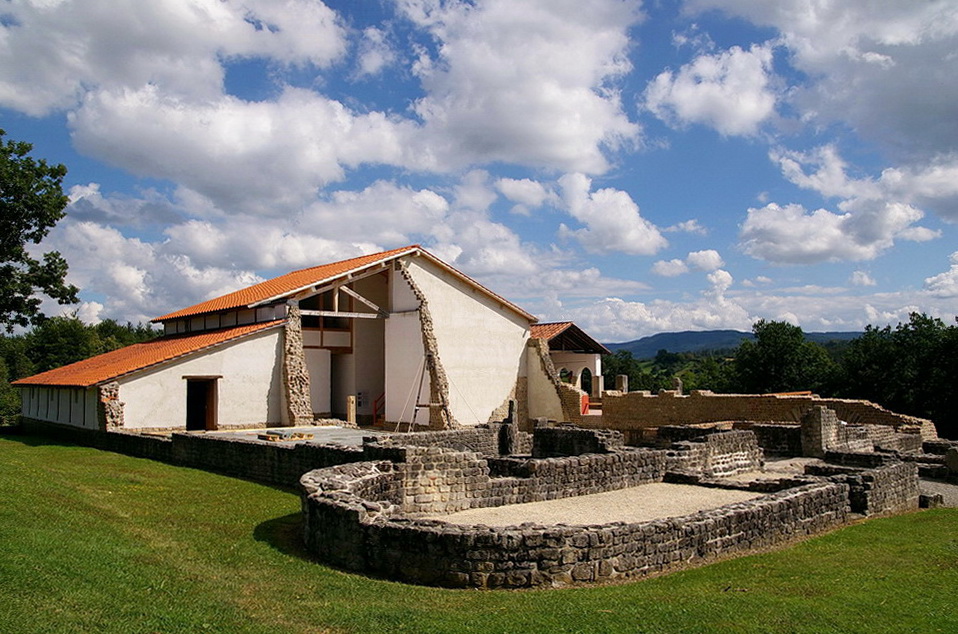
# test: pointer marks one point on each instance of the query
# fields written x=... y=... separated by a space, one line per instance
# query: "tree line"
x=909 y=369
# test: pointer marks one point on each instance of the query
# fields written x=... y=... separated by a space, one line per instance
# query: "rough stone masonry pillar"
x=295 y=375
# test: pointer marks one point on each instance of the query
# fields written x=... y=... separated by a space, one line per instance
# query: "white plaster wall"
x=404 y=357
x=481 y=342
x=64 y=405
x=249 y=392
x=318 y=365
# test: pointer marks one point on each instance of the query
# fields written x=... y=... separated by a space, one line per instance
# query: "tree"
x=622 y=362
x=31 y=202
x=910 y=369
x=781 y=360
x=61 y=340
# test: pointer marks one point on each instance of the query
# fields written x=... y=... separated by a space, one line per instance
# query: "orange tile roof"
x=110 y=365
x=291 y=283
x=548 y=331
x=567 y=336
x=284 y=284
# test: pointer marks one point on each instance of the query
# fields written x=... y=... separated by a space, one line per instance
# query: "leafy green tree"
x=9 y=398
x=708 y=373
x=622 y=362
x=781 y=360
x=31 y=202
x=61 y=340
x=113 y=336
x=910 y=369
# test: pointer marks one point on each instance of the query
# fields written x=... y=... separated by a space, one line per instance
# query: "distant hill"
x=701 y=341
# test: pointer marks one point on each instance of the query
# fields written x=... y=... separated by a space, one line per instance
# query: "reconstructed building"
x=397 y=337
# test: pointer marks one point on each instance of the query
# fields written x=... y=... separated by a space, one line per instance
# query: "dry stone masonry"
x=295 y=374
x=369 y=516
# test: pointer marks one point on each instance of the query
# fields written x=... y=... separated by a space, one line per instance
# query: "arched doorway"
x=585 y=381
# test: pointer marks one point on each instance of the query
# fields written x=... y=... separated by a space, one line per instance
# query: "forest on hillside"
x=910 y=369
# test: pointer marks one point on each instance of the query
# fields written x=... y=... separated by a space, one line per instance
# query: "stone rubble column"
x=295 y=374
x=109 y=408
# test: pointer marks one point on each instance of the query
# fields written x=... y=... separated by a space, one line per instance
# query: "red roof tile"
x=291 y=283
x=565 y=335
x=548 y=331
x=284 y=285
x=108 y=366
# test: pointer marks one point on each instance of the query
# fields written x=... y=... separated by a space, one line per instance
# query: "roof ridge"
x=281 y=285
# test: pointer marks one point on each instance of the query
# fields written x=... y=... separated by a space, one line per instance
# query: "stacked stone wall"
x=717 y=454
x=441 y=480
x=346 y=533
x=636 y=410
x=482 y=439
x=778 y=439
x=884 y=490
x=273 y=463
x=572 y=441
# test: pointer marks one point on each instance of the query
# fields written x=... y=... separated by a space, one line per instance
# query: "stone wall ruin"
x=368 y=516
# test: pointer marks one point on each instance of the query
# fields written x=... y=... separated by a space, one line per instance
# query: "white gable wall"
x=249 y=392
x=481 y=341
x=404 y=356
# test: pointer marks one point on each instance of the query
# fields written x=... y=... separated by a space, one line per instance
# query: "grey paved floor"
x=637 y=504
x=948 y=491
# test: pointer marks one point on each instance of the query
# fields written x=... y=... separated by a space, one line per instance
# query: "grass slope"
x=97 y=542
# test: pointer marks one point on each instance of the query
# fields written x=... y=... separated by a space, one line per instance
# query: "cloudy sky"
x=637 y=167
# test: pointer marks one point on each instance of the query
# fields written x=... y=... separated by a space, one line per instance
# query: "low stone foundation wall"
x=275 y=463
x=440 y=480
x=885 y=490
x=782 y=439
x=632 y=411
x=717 y=454
x=482 y=439
x=349 y=531
x=573 y=441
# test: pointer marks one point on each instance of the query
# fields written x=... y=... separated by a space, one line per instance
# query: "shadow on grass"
x=14 y=433
x=284 y=534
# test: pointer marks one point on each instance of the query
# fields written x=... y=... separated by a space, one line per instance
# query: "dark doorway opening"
x=585 y=382
x=201 y=404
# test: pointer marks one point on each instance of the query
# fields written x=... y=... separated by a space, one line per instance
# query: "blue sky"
x=638 y=167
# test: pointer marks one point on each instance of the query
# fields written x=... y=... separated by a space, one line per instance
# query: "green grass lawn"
x=92 y=541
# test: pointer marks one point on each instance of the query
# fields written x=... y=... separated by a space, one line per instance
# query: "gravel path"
x=637 y=504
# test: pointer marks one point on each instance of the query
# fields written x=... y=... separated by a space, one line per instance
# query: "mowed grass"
x=92 y=541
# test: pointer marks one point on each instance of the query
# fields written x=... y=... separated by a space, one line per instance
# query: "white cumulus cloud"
x=612 y=219
x=52 y=53
x=730 y=92
x=945 y=285
x=528 y=83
